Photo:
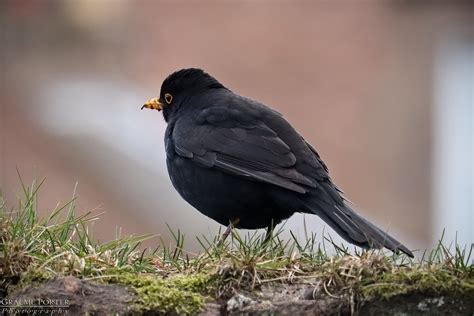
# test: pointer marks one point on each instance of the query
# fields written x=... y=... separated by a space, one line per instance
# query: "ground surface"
x=88 y=297
x=53 y=264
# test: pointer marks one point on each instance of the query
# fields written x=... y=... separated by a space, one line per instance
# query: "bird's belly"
x=226 y=198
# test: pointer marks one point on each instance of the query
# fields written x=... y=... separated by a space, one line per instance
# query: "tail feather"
x=356 y=229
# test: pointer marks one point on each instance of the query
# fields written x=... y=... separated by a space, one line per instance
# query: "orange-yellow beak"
x=153 y=104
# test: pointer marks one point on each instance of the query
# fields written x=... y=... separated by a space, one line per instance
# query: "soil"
x=73 y=295
x=88 y=297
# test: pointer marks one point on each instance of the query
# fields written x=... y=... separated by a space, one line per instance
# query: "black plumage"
x=238 y=161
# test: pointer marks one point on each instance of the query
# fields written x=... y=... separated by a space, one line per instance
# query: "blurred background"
x=382 y=89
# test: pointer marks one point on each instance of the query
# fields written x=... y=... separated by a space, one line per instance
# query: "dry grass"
x=34 y=249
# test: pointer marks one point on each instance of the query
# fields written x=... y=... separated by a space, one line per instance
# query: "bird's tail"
x=356 y=229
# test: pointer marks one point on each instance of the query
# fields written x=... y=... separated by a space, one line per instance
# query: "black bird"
x=242 y=164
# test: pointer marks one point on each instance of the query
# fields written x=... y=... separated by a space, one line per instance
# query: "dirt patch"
x=73 y=295
x=286 y=299
x=421 y=304
x=416 y=304
x=301 y=299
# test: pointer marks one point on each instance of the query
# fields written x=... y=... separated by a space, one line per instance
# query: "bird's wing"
x=240 y=146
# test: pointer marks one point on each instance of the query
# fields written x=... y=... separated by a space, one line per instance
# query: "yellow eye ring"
x=168 y=98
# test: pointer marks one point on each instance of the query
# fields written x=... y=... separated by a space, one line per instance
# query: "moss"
x=182 y=294
x=407 y=281
x=178 y=294
x=31 y=277
x=36 y=275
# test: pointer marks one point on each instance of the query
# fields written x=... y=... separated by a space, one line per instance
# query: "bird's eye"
x=168 y=98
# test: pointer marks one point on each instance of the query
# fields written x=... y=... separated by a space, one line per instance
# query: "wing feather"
x=248 y=149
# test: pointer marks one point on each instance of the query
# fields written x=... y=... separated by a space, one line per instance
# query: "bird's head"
x=178 y=87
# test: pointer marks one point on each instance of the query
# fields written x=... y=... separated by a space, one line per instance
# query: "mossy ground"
x=168 y=280
x=181 y=294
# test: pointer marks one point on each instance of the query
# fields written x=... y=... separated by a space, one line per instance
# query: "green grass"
x=169 y=278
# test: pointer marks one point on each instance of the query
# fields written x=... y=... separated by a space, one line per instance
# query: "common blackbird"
x=242 y=164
